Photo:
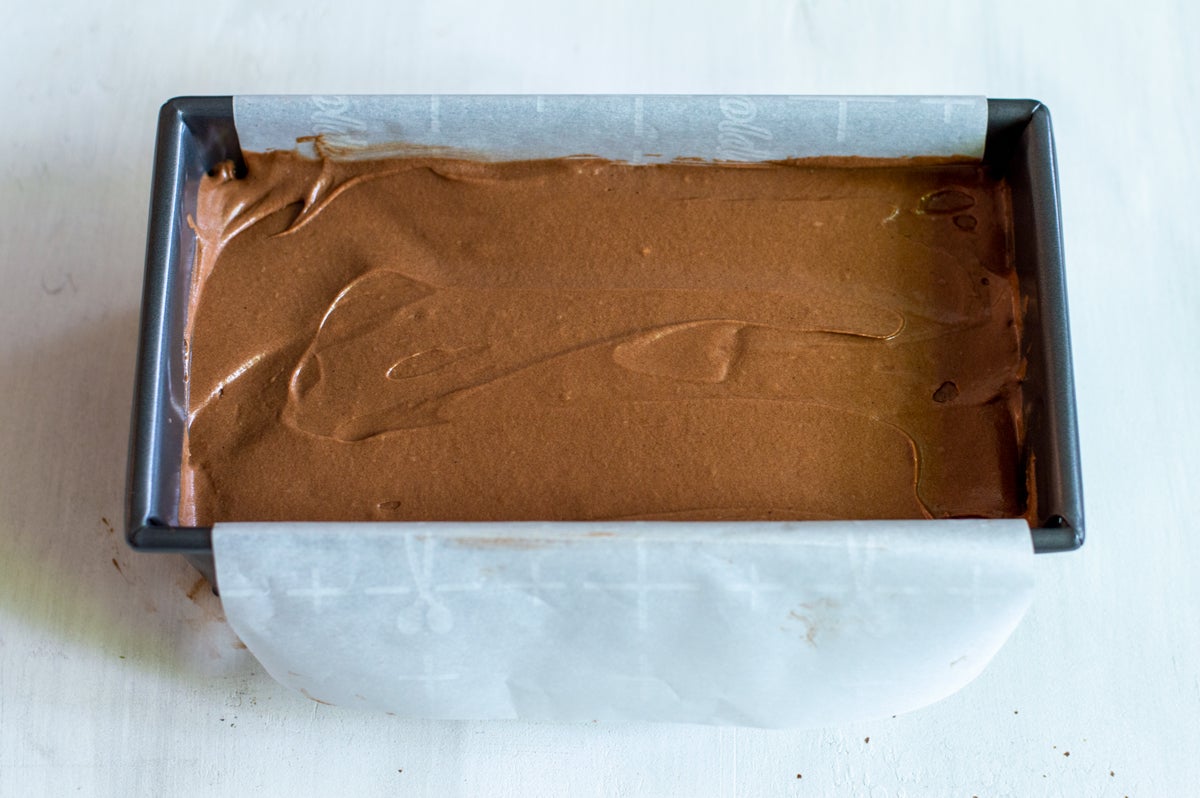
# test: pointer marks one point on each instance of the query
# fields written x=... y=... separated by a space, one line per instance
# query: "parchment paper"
x=755 y=624
x=638 y=129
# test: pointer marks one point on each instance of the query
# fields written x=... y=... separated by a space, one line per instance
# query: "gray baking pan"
x=197 y=133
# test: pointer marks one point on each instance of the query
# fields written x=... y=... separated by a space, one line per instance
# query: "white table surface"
x=118 y=675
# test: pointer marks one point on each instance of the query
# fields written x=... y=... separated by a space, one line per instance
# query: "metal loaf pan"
x=197 y=133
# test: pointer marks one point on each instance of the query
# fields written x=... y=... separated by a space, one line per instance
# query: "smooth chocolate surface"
x=437 y=339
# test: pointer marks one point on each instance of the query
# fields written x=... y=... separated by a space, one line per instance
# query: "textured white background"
x=114 y=681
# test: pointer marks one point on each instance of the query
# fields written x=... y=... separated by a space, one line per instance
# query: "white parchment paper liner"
x=756 y=624
x=638 y=129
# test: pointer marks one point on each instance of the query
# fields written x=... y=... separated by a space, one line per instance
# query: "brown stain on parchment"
x=503 y=543
x=815 y=618
x=525 y=543
x=195 y=589
x=309 y=696
x=326 y=146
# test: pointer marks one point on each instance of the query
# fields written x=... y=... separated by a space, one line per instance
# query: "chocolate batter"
x=437 y=339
